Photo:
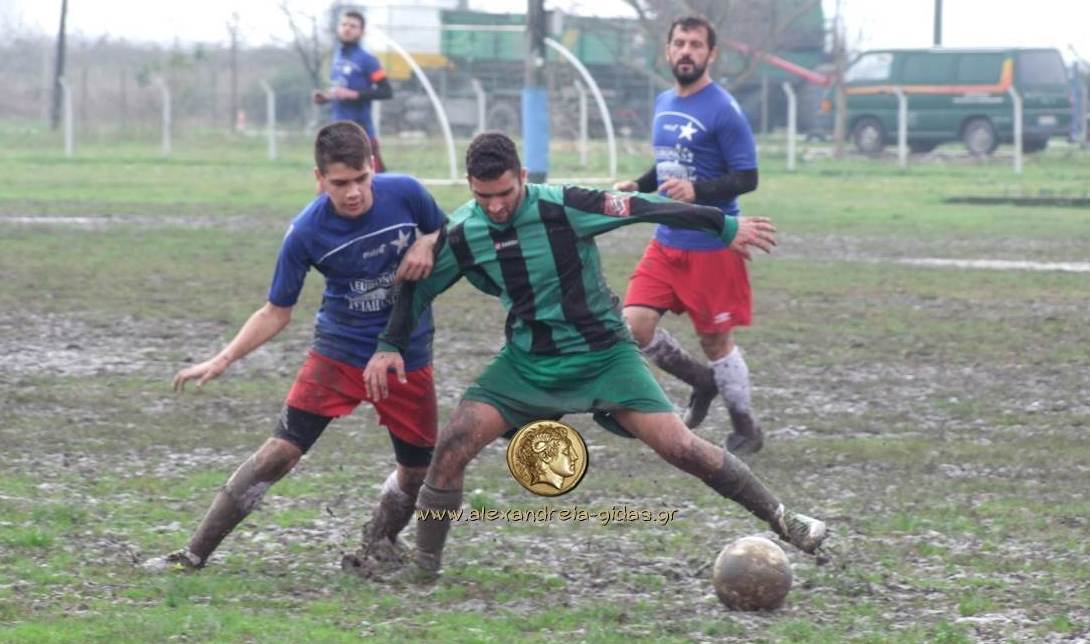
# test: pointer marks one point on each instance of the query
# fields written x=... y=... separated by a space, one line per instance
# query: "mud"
x=808 y=407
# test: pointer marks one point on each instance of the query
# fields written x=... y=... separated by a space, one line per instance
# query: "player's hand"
x=202 y=372
x=339 y=93
x=376 y=373
x=626 y=186
x=319 y=97
x=678 y=190
x=418 y=262
x=754 y=231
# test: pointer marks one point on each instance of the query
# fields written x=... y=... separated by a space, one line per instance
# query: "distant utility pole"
x=938 y=23
x=232 y=29
x=58 y=71
x=535 y=96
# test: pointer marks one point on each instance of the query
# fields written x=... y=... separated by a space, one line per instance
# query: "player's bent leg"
x=668 y=354
x=723 y=472
x=296 y=432
x=731 y=376
x=472 y=426
x=381 y=551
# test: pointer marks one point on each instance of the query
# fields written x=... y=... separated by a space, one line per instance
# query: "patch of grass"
x=975 y=604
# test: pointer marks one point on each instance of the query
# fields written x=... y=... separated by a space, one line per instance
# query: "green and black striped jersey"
x=544 y=266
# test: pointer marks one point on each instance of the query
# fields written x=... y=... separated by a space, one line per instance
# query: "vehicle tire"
x=921 y=147
x=868 y=136
x=1034 y=145
x=979 y=137
x=504 y=117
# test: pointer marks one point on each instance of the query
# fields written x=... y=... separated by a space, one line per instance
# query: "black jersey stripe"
x=516 y=277
x=456 y=237
x=563 y=241
x=583 y=199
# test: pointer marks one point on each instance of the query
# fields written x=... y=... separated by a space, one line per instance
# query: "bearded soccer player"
x=704 y=154
x=567 y=349
x=356 y=78
x=359 y=234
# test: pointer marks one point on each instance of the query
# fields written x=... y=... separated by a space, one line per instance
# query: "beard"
x=687 y=78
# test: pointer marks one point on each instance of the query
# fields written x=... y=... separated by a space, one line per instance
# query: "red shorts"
x=712 y=286
x=327 y=387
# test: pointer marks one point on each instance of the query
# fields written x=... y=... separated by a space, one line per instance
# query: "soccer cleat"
x=747 y=437
x=801 y=531
x=377 y=556
x=413 y=573
x=181 y=560
x=699 y=402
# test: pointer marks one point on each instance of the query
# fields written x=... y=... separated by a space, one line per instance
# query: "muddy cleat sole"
x=803 y=532
x=697 y=409
x=181 y=560
x=747 y=437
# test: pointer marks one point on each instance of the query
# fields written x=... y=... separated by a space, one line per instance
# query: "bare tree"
x=305 y=41
x=759 y=26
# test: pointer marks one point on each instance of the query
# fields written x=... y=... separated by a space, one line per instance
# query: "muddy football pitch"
x=920 y=368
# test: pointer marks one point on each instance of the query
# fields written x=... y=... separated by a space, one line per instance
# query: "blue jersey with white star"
x=700 y=137
x=358 y=257
x=355 y=68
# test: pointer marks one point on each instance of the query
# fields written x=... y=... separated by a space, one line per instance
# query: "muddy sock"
x=735 y=481
x=233 y=502
x=432 y=526
x=665 y=351
x=395 y=508
x=732 y=379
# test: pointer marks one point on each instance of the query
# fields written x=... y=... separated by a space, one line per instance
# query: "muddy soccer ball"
x=752 y=573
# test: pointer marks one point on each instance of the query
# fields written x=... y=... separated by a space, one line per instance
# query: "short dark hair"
x=342 y=142
x=352 y=13
x=688 y=23
x=490 y=154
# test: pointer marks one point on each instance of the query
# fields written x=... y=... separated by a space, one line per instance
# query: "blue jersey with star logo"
x=700 y=137
x=355 y=68
x=358 y=257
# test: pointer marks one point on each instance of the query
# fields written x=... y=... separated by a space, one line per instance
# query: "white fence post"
x=611 y=141
x=482 y=105
x=792 y=123
x=165 y=93
x=66 y=105
x=1017 y=101
x=902 y=127
x=270 y=118
x=584 y=123
x=376 y=117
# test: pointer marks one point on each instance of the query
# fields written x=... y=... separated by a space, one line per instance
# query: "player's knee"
x=276 y=458
x=641 y=326
x=715 y=345
x=682 y=453
x=409 y=479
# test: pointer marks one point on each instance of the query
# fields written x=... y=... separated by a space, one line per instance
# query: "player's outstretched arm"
x=757 y=232
x=376 y=373
x=265 y=323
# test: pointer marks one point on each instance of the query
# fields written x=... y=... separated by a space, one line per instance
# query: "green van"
x=955 y=94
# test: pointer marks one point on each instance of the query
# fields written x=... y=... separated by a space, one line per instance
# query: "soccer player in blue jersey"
x=361 y=234
x=356 y=78
x=704 y=154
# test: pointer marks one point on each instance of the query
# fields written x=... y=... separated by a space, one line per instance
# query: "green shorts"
x=525 y=387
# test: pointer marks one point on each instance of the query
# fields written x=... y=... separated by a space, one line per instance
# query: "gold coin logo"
x=547 y=457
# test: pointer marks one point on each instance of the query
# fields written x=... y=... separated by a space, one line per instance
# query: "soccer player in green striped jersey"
x=567 y=350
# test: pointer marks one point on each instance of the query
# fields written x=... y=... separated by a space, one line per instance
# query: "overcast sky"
x=871 y=23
